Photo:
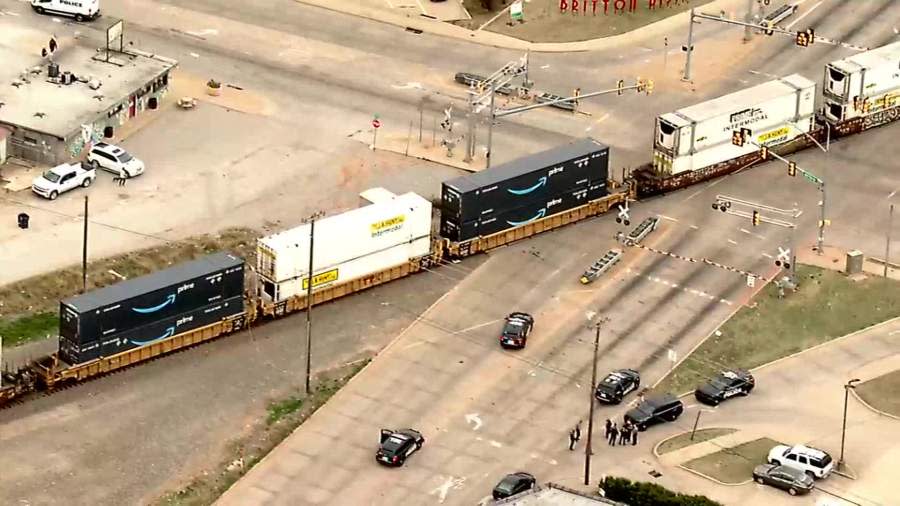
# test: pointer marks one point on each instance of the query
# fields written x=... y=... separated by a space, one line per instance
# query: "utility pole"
x=490 y=127
x=84 y=248
x=689 y=49
x=748 y=35
x=887 y=244
x=470 y=137
x=309 y=288
x=588 y=450
x=847 y=386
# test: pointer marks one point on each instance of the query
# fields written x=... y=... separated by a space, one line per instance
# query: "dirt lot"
x=544 y=22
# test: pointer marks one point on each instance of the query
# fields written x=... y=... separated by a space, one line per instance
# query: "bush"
x=649 y=494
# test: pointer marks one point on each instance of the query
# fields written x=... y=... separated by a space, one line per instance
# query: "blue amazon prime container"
x=524 y=181
x=159 y=296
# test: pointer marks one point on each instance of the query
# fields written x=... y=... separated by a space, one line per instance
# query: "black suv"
x=616 y=385
x=654 y=410
x=725 y=385
x=515 y=330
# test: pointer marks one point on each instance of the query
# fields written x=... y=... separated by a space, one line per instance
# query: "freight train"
x=392 y=236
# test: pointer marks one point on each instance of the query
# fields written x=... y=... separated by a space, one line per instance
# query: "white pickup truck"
x=63 y=178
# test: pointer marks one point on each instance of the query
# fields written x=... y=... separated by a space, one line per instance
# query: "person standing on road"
x=634 y=436
x=613 y=434
x=608 y=428
x=578 y=431
x=572 y=440
x=625 y=435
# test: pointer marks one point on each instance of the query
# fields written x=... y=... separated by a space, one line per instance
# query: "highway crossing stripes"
x=699 y=293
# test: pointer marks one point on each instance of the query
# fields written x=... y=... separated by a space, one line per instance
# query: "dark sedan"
x=513 y=484
x=516 y=330
x=397 y=445
x=616 y=385
x=795 y=481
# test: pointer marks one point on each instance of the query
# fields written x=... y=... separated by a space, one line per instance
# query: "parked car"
x=397 y=446
x=616 y=385
x=795 y=481
x=513 y=484
x=115 y=159
x=63 y=178
x=816 y=463
x=654 y=410
x=516 y=330
x=725 y=385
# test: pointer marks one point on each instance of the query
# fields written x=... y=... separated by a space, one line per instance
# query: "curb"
x=826 y=343
x=492 y=39
x=870 y=407
x=656 y=447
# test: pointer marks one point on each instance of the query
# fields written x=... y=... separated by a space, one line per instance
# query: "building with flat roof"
x=53 y=107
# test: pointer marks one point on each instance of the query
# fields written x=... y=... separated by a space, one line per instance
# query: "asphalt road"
x=439 y=371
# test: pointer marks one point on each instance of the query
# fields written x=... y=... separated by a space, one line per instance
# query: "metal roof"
x=525 y=165
x=747 y=97
x=552 y=494
x=145 y=284
x=870 y=59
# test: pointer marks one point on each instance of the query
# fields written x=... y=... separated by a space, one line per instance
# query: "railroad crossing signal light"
x=764 y=153
x=792 y=169
x=756 y=219
x=620 y=87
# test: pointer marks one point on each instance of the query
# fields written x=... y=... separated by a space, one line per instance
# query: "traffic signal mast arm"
x=809 y=35
x=808 y=175
x=641 y=85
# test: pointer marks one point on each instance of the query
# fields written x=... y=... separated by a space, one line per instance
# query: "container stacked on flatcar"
x=524 y=190
x=863 y=84
x=389 y=232
x=143 y=310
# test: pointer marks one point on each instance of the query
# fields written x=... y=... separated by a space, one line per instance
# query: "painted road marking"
x=413 y=345
x=444 y=488
x=799 y=18
x=767 y=255
x=732 y=241
x=668 y=218
x=695 y=227
x=602 y=118
x=474 y=418
x=698 y=293
x=473 y=327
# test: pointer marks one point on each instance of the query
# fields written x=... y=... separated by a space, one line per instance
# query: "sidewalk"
x=708 y=447
x=370 y=10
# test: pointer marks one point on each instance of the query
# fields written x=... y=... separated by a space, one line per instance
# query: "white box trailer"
x=349 y=270
x=862 y=84
x=346 y=238
x=699 y=136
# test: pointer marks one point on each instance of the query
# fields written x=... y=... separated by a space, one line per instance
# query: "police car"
x=397 y=445
x=725 y=385
x=515 y=330
x=616 y=385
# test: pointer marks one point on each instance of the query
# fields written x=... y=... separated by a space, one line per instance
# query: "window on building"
x=30 y=141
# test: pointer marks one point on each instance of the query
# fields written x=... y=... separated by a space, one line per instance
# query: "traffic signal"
x=810 y=35
x=802 y=39
x=764 y=153
x=756 y=219
x=792 y=169
x=620 y=87
x=649 y=86
x=768 y=27
x=737 y=137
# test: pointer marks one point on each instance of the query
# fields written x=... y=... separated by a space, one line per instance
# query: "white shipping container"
x=699 y=136
x=349 y=270
x=344 y=237
x=872 y=76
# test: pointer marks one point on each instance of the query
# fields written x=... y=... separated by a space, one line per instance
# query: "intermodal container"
x=345 y=237
x=499 y=221
x=700 y=136
x=863 y=83
x=75 y=353
x=347 y=271
x=164 y=294
x=525 y=180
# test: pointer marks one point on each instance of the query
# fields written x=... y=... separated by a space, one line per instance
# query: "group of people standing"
x=628 y=433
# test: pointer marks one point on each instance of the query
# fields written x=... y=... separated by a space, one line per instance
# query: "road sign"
x=515 y=11
x=376 y=123
x=673 y=355
x=811 y=177
x=751 y=280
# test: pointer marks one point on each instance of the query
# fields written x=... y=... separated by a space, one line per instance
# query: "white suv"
x=115 y=159
x=813 y=462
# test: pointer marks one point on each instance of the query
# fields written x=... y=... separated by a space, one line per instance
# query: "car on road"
x=516 y=330
x=397 y=445
x=816 y=463
x=115 y=159
x=725 y=385
x=80 y=10
x=654 y=410
x=513 y=484
x=795 y=481
x=63 y=178
x=616 y=385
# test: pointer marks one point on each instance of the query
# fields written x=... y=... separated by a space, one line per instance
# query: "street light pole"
x=588 y=449
x=847 y=386
x=309 y=288
x=690 y=49
x=748 y=19
x=490 y=127
x=84 y=248
x=887 y=243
